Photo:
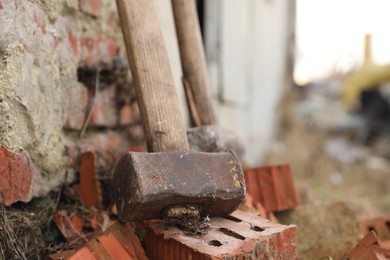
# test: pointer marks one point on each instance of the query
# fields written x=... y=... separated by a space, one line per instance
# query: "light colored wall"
x=246 y=47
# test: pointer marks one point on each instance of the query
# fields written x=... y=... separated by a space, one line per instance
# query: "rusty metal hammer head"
x=213 y=138
x=147 y=184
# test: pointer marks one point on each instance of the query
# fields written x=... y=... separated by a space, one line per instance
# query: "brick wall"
x=50 y=52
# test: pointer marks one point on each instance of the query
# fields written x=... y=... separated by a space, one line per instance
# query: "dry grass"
x=20 y=235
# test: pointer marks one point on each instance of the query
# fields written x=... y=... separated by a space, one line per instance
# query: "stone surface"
x=242 y=235
x=323 y=230
x=43 y=44
x=272 y=187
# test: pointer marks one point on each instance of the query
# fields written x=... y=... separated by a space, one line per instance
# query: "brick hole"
x=388 y=225
x=371 y=228
x=214 y=243
x=231 y=233
x=233 y=219
x=257 y=229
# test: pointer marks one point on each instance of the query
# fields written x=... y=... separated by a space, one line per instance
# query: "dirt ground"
x=321 y=177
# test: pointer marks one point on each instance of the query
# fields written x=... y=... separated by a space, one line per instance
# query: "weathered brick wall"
x=50 y=52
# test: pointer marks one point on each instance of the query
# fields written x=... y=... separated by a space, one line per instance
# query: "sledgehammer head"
x=147 y=184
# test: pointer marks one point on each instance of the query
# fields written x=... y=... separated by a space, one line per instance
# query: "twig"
x=88 y=119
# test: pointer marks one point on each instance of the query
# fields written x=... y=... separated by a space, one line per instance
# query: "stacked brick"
x=50 y=55
x=271 y=189
x=242 y=235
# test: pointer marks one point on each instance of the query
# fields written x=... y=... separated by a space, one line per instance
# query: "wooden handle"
x=149 y=65
x=193 y=61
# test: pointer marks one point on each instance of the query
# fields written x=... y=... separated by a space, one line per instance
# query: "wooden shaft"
x=193 y=61
x=148 y=59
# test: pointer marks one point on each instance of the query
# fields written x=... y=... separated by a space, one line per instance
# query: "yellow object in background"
x=369 y=76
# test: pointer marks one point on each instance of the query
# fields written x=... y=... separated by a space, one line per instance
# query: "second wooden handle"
x=193 y=60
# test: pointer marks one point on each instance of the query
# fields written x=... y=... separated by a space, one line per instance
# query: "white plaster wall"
x=246 y=48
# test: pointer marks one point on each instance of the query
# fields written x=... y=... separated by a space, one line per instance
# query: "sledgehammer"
x=206 y=136
x=171 y=181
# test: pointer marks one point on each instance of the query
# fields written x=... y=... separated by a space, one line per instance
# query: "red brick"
x=107 y=146
x=89 y=187
x=129 y=114
x=67 y=42
x=369 y=248
x=138 y=148
x=118 y=242
x=380 y=225
x=16 y=174
x=92 y=7
x=98 y=50
x=272 y=186
x=74 y=104
x=104 y=112
x=240 y=235
x=251 y=206
x=136 y=133
x=70 y=227
x=113 y=19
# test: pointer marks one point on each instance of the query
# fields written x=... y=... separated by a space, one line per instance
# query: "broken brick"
x=16 y=174
x=70 y=227
x=272 y=186
x=240 y=235
x=92 y=7
x=117 y=242
x=369 y=248
x=380 y=225
x=89 y=187
x=249 y=205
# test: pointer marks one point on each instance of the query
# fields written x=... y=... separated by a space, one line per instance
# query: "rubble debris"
x=323 y=230
x=369 y=248
x=117 y=242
